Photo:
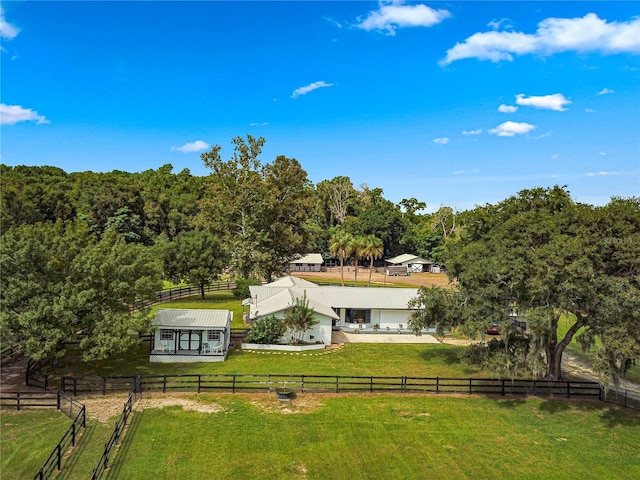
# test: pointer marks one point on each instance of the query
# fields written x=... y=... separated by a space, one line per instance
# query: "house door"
x=189 y=339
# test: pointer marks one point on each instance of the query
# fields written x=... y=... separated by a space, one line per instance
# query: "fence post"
x=370 y=384
x=73 y=434
x=199 y=382
x=84 y=416
x=59 y=458
x=437 y=384
x=337 y=386
x=568 y=390
x=403 y=387
x=302 y=383
x=502 y=387
x=18 y=401
x=470 y=386
x=75 y=386
x=58 y=400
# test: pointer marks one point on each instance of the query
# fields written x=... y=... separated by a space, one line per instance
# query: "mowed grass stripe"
x=384 y=436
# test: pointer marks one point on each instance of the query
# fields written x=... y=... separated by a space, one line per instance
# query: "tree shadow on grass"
x=610 y=415
x=449 y=357
x=120 y=452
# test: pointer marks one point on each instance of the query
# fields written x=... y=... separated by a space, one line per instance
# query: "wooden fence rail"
x=118 y=429
x=329 y=383
x=177 y=293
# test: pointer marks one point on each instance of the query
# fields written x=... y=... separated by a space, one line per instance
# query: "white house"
x=312 y=262
x=190 y=335
x=413 y=263
x=349 y=308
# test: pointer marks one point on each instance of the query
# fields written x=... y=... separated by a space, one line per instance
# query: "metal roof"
x=272 y=299
x=309 y=258
x=192 y=318
x=408 y=258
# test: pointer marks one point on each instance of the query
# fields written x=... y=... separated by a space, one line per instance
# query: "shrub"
x=242 y=287
x=266 y=331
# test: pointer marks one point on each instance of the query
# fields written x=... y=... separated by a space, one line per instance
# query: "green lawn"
x=217 y=300
x=426 y=360
x=381 y=436
x=27 y=438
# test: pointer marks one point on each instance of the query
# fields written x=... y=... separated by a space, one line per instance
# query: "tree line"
x=77 y=249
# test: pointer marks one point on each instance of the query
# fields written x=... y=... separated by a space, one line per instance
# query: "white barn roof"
x=314 y=258
x=408 y=258
x=191 y=318
x=323 y=299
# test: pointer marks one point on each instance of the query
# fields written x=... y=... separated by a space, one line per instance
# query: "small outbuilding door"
x=189 y=339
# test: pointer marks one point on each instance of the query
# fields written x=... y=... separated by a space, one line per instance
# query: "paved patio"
x=342 y=337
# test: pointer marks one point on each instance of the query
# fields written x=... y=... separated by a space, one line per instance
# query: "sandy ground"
x=378 y=278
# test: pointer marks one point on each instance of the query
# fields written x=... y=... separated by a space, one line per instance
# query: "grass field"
x=217 y=300
x=27 y=438
x=381 y=436
x=426 y=360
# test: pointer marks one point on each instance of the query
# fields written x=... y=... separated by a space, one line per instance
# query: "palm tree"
x=357 y=248
x=373 y=249
x=340 y=247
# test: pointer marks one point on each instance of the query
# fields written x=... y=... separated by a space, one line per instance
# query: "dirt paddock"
x=378 y=278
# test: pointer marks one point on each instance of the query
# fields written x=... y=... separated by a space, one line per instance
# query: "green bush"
x=242 y=287
x=266 y=331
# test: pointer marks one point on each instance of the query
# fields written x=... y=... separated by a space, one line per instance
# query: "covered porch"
x=190 y=335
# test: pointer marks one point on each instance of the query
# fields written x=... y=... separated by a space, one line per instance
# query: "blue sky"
x=454 y=103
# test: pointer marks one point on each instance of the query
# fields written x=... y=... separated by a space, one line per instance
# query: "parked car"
x=493 y=330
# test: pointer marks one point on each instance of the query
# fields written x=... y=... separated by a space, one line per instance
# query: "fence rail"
x=624 y=398
x=118 y=429
x=171 y=294
x=71 y=408
x=329 y=383
x=10 y=351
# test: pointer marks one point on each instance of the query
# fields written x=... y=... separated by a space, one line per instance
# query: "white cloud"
x=7 y=31
x=602 y=154
x=556 y=102
x=441 y=141
x=12 y=114
x=393 y=15
x=191 y=147
x=507 y=108
x=601 y=174
x=511 y=129
x=472 y=132
x=587 y=34
x=589 y=110
x=543 y=135
x=458 y=172
x=310 y=88
x=606 y=91
x=258 y=124
x=497 y=24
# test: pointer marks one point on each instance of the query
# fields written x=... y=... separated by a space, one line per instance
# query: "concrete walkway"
x=342 y=337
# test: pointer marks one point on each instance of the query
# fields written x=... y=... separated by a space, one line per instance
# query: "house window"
x=213 y=335
x=166 y=334
x=353 y=315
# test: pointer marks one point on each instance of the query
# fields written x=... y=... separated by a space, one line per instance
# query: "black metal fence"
x=103 y=463
x=329 y=383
